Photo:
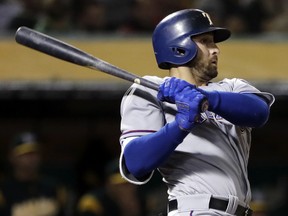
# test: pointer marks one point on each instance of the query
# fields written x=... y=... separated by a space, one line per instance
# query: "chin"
x=213 y=73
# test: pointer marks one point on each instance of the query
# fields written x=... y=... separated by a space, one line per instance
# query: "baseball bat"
x=61 y=50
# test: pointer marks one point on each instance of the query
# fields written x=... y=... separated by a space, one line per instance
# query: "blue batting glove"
x=188 y=108
x=171 y=87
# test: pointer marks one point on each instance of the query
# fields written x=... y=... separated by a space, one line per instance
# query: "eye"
x=203 y=40
x=206 y=40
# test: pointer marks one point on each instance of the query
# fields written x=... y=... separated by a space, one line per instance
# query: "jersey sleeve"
x=141 y=114
x=243 y=86
x=128 y=176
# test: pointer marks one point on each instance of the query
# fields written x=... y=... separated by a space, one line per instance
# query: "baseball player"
x=25 y=190
x=201 y=154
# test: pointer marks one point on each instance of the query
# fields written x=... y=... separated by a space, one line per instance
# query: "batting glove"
x=171 y=87
x=188 y=108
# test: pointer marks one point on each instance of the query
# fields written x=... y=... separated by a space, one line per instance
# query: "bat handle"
x=147 y=83
x=204 y=105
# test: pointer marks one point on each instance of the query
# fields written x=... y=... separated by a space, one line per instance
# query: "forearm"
x=247 y=110
x=146 y=153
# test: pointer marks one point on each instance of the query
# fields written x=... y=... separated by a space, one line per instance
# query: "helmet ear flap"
x=184 y=51
x=179 y=55
x=178 y=52
x=175 y=53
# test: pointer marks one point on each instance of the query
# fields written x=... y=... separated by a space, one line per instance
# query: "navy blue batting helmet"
x=172 y=41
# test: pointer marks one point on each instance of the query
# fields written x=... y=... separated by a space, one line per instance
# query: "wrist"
x=213 y=98
x=183 y=123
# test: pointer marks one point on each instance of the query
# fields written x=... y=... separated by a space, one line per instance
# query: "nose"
x=215 y=50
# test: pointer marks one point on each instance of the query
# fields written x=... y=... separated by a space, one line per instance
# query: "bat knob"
x=204 y=105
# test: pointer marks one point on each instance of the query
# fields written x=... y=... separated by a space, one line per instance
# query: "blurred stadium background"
x=75 y=110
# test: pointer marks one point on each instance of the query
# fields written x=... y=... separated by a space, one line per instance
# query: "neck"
x=187 y=74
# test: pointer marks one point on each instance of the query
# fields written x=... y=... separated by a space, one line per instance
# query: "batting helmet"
x=172 y=41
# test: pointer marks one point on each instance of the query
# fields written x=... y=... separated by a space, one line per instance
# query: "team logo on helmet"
x=208 y=17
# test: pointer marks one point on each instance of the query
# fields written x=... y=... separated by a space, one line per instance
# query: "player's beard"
x=205 y=71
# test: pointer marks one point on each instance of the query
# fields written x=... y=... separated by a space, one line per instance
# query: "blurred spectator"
x=25 y=191
x=143 y=17
x=145 y=14
x=117 y=12
x=56 y=17
x=279 y=197
x=234 y=17
x=31 y=12
x=8 y=10
x=139 y=16
x=117 y=197
x=254 y=15
x=240 y=16
x=259 y=203
x=90 y=16
x=278 y=16
x=90 y=170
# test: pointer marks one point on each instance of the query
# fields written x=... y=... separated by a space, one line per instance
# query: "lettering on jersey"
x=201 y=119
x=211 y=115
x=206 y=15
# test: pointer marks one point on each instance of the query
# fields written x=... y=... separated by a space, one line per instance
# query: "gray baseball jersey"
x=212 y=159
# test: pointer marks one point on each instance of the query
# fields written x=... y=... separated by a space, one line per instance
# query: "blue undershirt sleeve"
x=242 y=109
x=144 y=154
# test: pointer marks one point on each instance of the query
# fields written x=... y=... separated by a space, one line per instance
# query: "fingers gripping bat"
x=61 y=50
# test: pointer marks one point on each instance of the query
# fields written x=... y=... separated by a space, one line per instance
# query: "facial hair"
x=203 y=70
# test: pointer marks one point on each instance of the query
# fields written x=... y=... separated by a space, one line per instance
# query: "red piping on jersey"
x=137 y=131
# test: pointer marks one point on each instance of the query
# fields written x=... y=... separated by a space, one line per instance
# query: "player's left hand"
x=188 y=108
x=171 y=87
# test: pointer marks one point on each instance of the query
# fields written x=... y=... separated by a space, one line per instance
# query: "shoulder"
x=232 y=85
x=142 y=92
x=233 y=82
x=155 y=79
x=239 y=85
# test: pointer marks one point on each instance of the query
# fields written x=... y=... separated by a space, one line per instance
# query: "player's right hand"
x=188 y=108
x=171 y=87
